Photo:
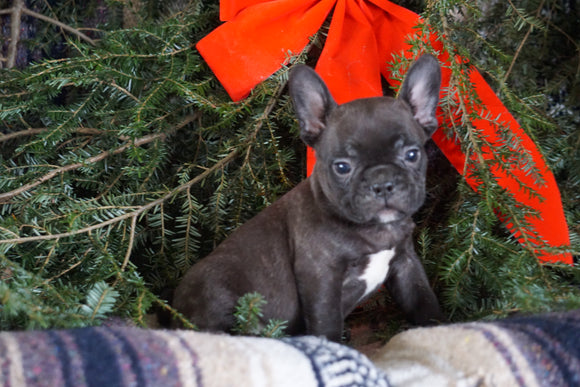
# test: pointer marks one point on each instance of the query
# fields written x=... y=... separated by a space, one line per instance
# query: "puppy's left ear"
x=312 y=102
x=421 y=91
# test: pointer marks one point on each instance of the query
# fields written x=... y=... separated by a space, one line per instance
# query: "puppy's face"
x=370 y=158
x=370 y=161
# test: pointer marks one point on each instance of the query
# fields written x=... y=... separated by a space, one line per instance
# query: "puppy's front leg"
x=320 y=300
x=408 y=285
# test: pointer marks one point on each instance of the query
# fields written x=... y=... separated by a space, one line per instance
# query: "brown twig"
x=60 y=24
x=33 y=131
x=15 y=20
x=132 y=232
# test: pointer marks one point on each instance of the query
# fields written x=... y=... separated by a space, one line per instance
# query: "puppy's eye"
x=412 y=155
x=342 y=167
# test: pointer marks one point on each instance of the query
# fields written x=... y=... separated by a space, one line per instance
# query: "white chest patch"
x=377 y=269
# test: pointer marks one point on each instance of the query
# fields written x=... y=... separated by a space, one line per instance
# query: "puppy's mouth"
x=389 y=215
x=370 y=210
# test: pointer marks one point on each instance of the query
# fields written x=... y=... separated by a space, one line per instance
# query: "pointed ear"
x=421 y=91
x=312 y=102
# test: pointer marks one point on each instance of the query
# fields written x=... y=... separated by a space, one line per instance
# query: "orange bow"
x=363 y=37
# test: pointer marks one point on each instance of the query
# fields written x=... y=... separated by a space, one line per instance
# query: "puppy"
x=331 y=241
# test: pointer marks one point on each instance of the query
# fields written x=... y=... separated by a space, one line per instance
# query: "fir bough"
x=248 y=313
x=123 y=165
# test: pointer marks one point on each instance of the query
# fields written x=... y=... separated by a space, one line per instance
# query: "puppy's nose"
x=383 y=189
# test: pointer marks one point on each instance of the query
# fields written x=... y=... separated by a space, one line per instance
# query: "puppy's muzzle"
x=384 y=181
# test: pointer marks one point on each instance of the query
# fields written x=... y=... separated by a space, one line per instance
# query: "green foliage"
x=101 y=299
x=124 y=163
x=248 y=313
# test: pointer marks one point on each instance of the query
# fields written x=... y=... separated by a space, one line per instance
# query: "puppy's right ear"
x=421 y=91
x=312 y=102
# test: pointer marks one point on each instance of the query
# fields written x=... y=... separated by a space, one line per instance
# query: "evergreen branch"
x=174 y=313
x=151 y=95
x=77 y=112
x=474 y=230
x=220 y=164
x=163 y=231
x=475 y=145
x=51 y=66
x=140 y=309
x=187 y=233
x=268 y=110
x=5 y=197
x=49 y=255
x=71 y=267
x=8 y=231
x=122 y=90
x=19 y=8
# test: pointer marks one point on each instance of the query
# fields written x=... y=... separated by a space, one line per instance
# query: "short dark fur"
x=306 y=252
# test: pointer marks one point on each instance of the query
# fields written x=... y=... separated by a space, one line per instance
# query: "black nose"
x=383 y=189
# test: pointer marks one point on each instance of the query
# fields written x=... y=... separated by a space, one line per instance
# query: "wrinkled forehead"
x=373 y=123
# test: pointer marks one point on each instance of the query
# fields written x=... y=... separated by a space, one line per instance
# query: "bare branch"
x=33 y=131
x=15 y=19
x=58 y=23
x=27 y=132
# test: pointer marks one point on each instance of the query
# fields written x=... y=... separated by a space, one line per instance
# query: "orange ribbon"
x=261 y=35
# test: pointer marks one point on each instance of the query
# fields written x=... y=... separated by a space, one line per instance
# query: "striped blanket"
x=122 y=356
x=525 y=351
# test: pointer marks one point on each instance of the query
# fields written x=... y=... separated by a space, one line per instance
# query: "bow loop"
x=256 y=42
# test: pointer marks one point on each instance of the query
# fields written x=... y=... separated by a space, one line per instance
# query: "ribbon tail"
x=550 y=226
x=259 y=40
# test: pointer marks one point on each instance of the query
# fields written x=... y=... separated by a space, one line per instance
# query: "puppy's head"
x=370 y=158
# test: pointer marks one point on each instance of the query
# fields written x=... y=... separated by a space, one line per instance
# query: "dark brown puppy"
x=336 y=237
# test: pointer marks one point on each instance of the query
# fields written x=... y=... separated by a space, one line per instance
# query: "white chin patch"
x=388 y=216
x=377 y=269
